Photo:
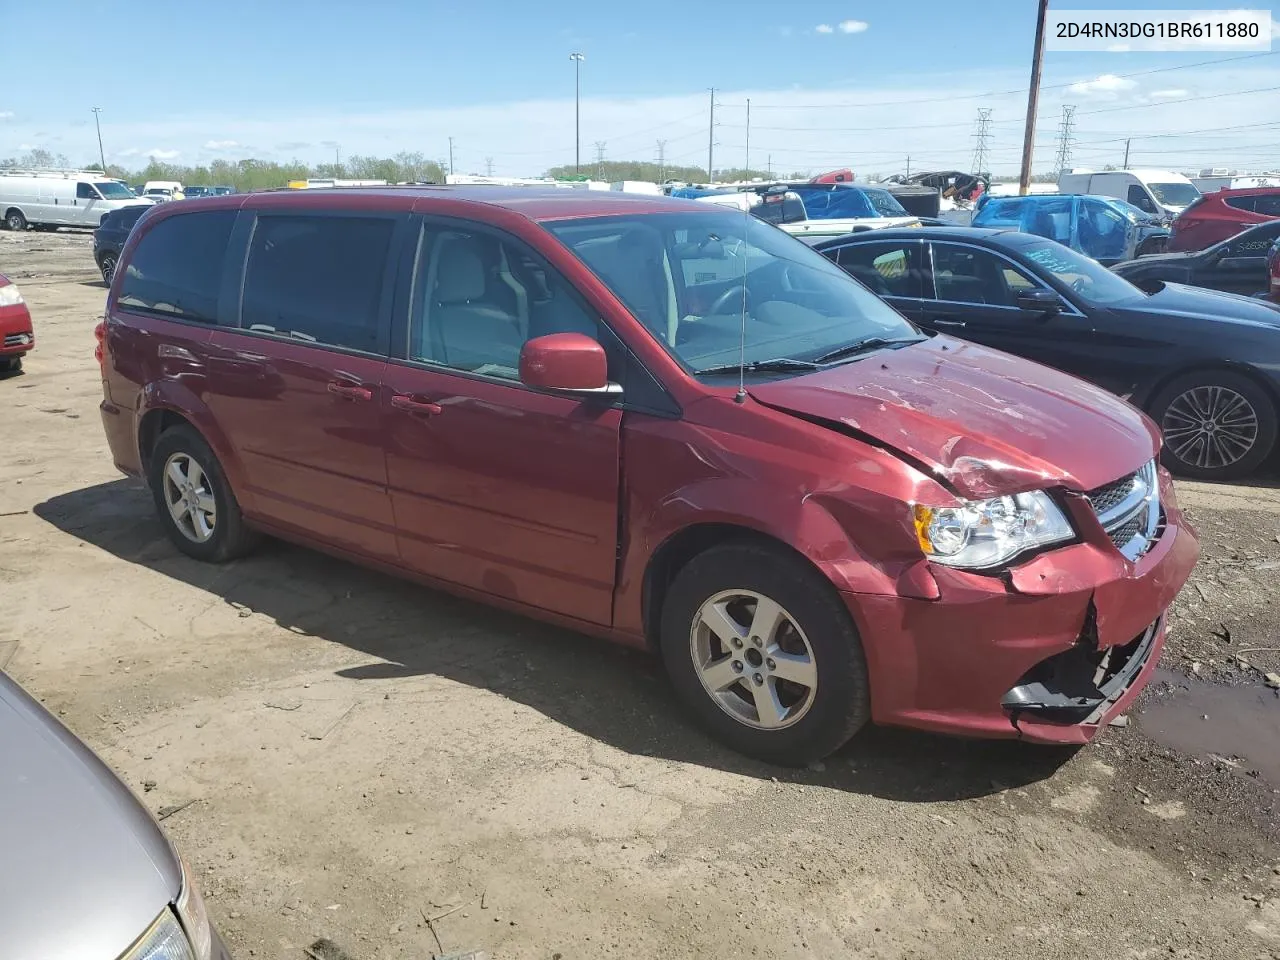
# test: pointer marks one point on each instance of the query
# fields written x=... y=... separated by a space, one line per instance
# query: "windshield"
x=1175 y=194
x=885 y=203
x=682 y=276
x=1094 y=282
x=111 y=190
x=834 y=204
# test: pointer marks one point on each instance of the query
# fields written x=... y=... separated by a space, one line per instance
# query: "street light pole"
x=101 y=155
x=577 y=59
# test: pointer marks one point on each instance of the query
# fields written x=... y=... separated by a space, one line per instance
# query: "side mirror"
x=1039 y=301
x=572 y=362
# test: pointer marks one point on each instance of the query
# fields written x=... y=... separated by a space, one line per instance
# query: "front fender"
x=176 y=397
x=817 y=525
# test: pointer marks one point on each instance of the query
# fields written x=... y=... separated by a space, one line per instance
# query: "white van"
x=59 y=198
x=1161 y=192
x=161 y=191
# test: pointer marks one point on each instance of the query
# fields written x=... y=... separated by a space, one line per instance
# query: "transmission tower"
x=982 y=142
x=488 y=166
x=600 y=159
x=662 y=161
x=1065 y=140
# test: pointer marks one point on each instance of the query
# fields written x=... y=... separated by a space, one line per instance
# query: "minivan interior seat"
x=465 y=327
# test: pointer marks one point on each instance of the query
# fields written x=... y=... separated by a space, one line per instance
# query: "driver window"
x=85 y=192
x=886 y=269
x=1138 y=197
x=972 y=275
x=480 y=298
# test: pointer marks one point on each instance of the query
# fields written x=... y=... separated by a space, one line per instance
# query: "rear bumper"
x=1019 y=657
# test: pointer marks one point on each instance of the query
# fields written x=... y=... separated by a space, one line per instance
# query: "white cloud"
x=130 y=152
x=1173 y=94
x=824 y=28
x=852 y=26
x=1107 y=85
x=163 y=154
x=6 y=114
x=221 y=144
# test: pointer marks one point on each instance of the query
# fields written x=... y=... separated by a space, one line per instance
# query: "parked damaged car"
x=1205 y=365
x=535 y=398
x=1236 y=265
x=1108 y=230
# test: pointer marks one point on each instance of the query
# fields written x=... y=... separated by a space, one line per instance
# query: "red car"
x=1222 y=214
x=660 y=422
x=16 y=335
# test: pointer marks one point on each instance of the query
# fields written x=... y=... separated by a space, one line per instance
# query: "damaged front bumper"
x=1049 y=652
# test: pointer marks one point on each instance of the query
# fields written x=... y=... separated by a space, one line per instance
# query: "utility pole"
x=981 y=142
x=1126 y=156
x=1033 y=101
x=748 y=149
x=101 y=156
x=1065 y=139
x=488 y=166
x=769 y=169
x=662 y=161
x=451 y=155
x=577 y=59
x=600 y=144
x=908 y=166
x=711 y=140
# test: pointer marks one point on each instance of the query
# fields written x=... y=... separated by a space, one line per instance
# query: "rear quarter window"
x=176 y=268
x=1240 y=203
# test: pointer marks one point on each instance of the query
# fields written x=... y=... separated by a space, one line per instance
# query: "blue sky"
x=280 y=80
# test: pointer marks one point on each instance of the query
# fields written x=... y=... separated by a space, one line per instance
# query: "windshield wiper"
x=862 y=346
x=762 y=366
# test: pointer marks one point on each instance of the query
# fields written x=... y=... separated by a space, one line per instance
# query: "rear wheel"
x=14 y=220
x=1217 y=425
x=193 y=499
x=10 y=364
x=108 y=267
x=761 y=649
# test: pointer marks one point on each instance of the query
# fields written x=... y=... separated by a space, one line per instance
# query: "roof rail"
x=52 y=172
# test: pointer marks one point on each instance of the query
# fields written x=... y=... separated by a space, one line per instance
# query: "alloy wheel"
x=190 y=498
x=753 y=659
x=108 y=268
x=1210 y=427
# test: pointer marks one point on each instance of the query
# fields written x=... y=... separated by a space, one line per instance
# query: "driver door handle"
x=955 y=324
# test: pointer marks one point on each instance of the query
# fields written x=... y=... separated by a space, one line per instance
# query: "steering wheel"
x=738 y=292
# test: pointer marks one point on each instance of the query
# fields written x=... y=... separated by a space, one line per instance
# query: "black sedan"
x=1204 y=364
x=1235 y=265
x=109 y=238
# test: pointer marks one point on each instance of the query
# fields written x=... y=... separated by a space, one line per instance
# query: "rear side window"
x=318 y=278
x=176 y=269
x=1241 y=203
x=1268 y=205
x=890 y=269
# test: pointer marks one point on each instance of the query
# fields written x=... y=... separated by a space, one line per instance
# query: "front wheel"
x=108 y=267
x=761 y=649
x=1217 y=425
x=14 y=220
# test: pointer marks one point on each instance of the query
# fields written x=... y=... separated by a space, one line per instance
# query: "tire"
x=108 y=268
x=1243 y=432
x=10 y=364
x=817 y=720
x=14 y=220
x=215 y=537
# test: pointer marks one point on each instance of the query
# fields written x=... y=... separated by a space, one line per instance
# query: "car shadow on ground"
x=615 y=695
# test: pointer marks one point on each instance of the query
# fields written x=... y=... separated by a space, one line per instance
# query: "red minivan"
x=657 y=421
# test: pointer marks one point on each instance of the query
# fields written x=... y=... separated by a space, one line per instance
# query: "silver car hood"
x=84 y=869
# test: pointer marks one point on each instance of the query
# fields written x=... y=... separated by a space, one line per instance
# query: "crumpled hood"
x=983 y=422
x=1204 y=304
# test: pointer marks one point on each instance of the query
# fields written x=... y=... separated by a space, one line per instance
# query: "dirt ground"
x=342 y=755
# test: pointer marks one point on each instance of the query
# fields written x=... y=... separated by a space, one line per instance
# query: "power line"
x=1005 y=93
x=1165 y=103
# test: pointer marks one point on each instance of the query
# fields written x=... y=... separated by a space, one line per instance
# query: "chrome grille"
x=17 y=339
x=1129 y=510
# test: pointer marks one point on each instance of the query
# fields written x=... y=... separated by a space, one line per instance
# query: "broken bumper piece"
x=1080 y=684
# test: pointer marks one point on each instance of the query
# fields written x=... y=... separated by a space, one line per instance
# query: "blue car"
x=1108 y=230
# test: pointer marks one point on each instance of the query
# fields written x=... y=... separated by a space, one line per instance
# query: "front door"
x=976 y=292
x=299 y=384
x=89 y=206
x=496 y=486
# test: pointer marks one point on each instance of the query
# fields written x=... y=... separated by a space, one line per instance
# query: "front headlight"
x=164 y=940
x=979 y=534
x=10 y=296
x=195 y=918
